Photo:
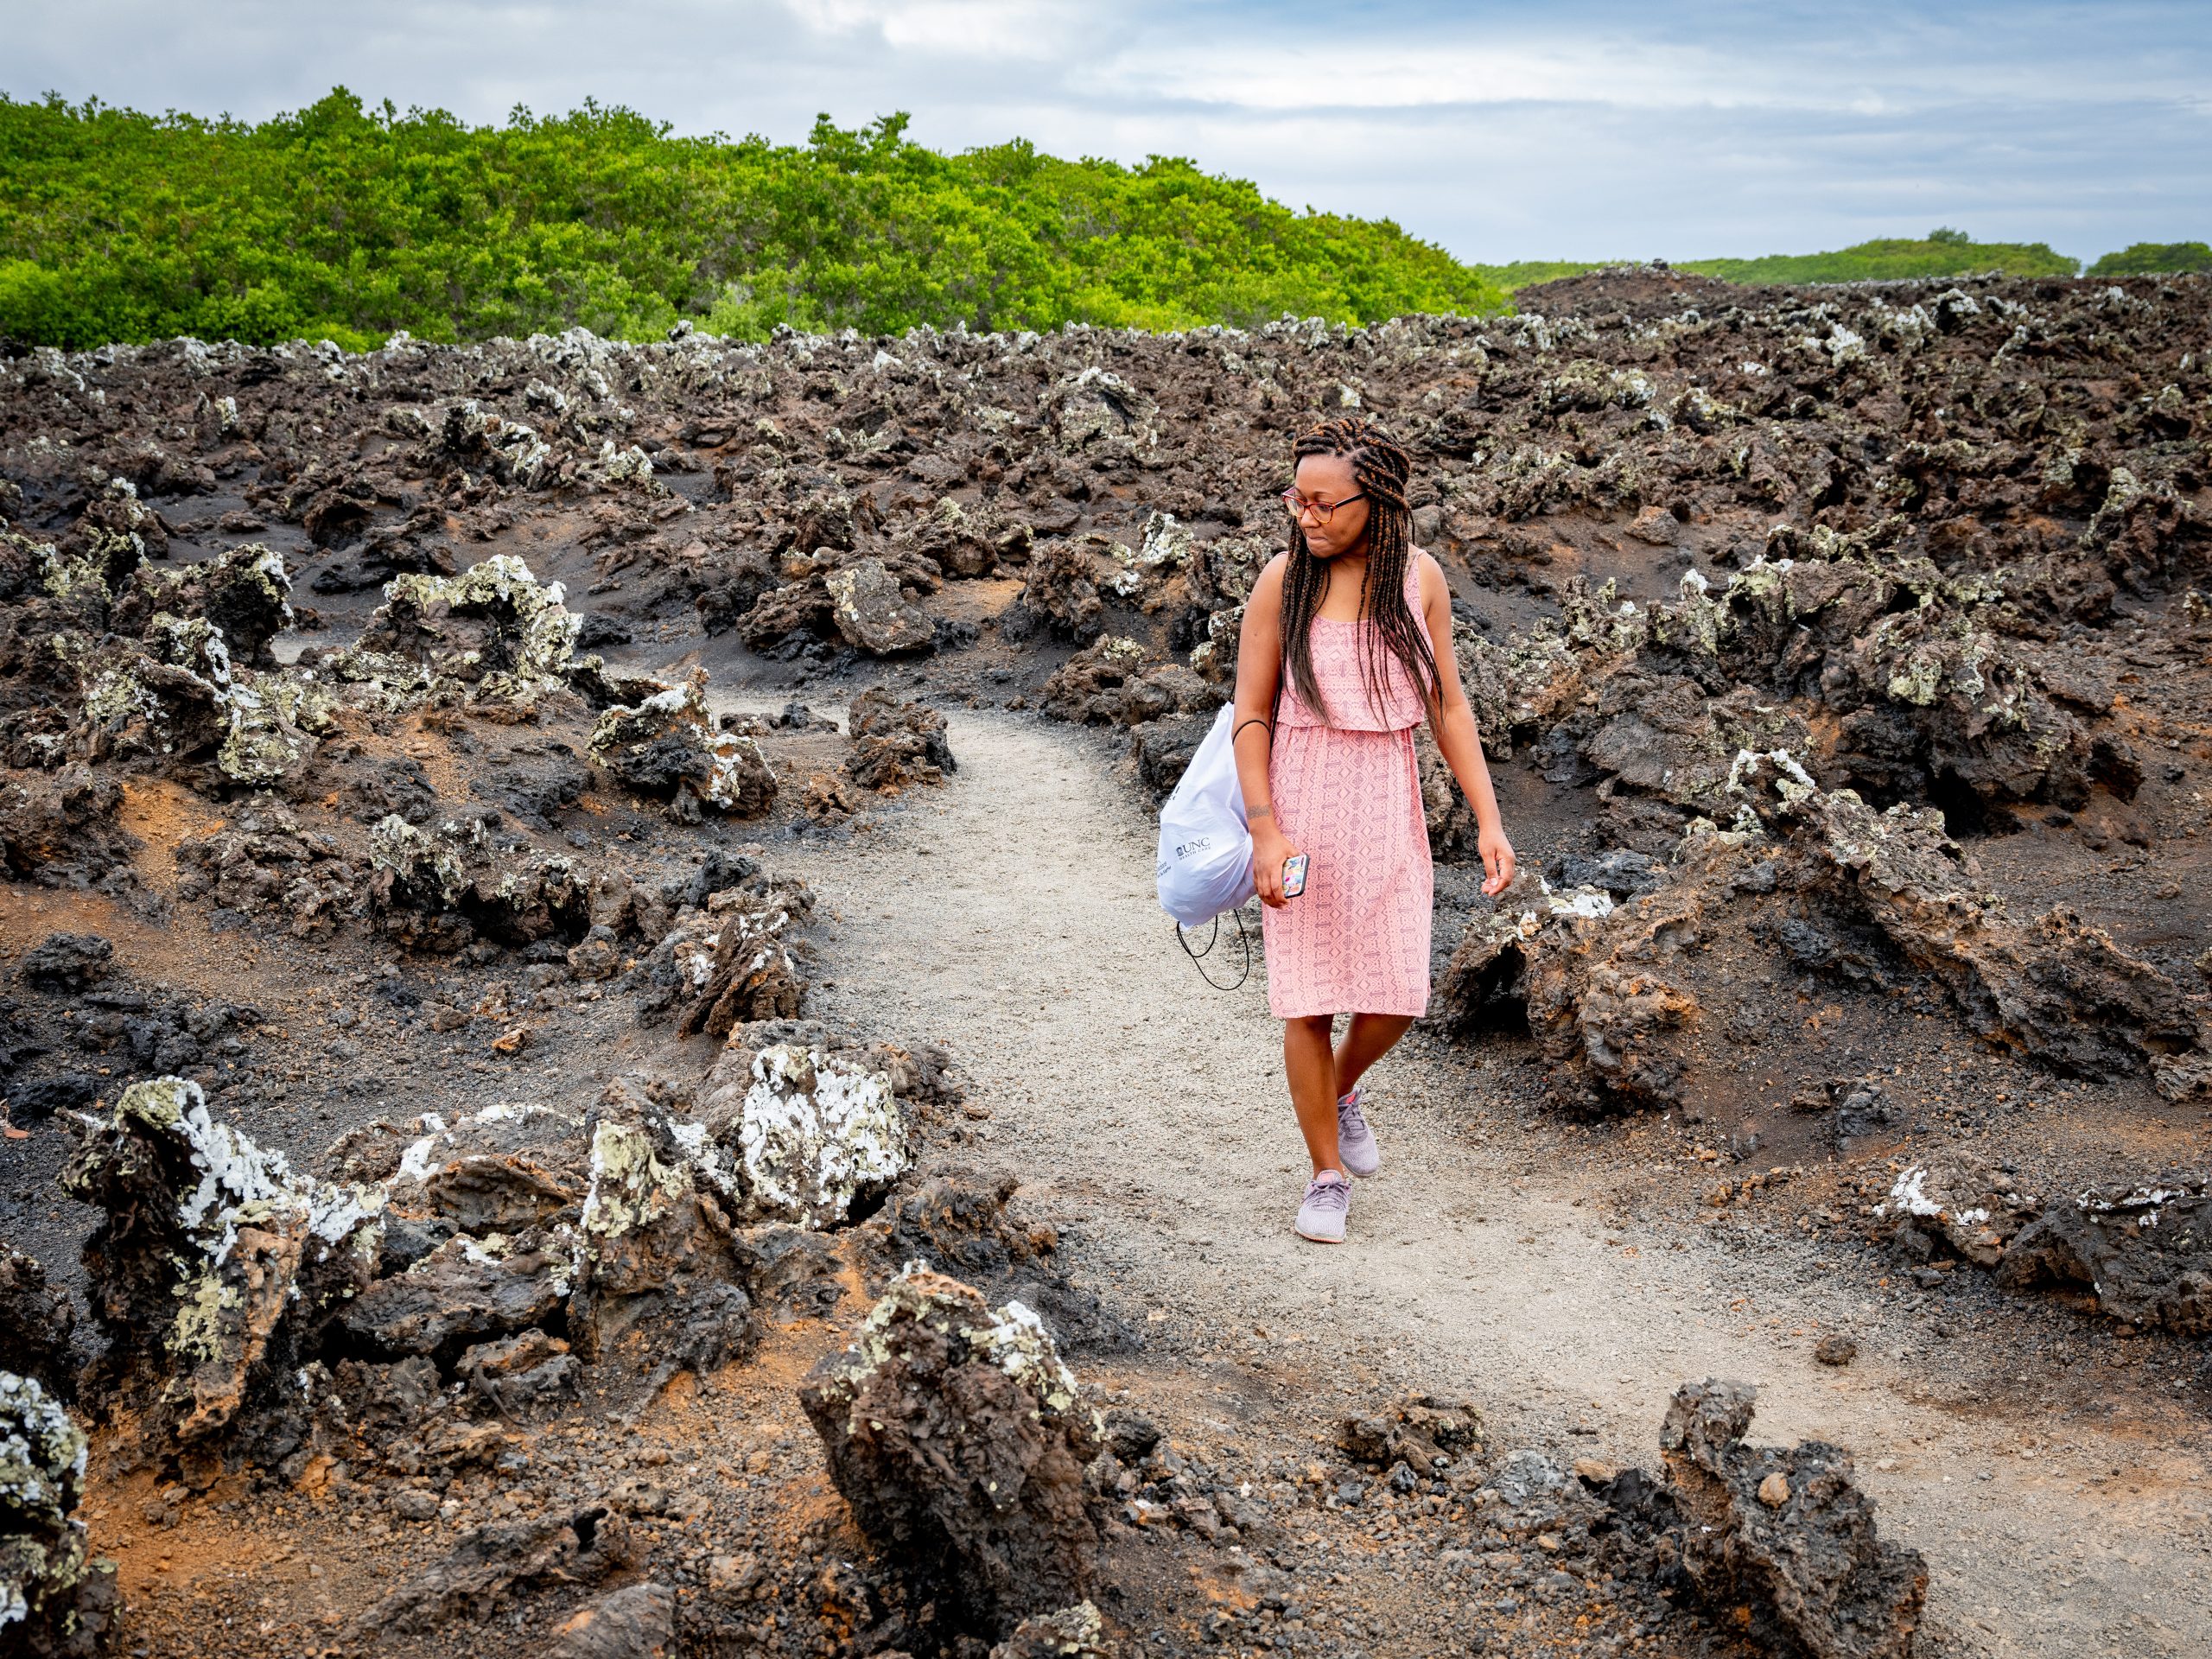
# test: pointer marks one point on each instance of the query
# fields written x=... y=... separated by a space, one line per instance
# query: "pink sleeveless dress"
x=1347 y=792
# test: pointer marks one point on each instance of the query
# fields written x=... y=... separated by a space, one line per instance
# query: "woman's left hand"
x=1497 y=858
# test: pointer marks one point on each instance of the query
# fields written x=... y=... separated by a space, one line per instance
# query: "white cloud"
x=992 y=30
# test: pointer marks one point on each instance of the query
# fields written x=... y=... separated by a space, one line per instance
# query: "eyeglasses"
x=1299 y=506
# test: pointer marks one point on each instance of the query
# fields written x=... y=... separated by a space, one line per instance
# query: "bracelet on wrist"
x=1259 y=812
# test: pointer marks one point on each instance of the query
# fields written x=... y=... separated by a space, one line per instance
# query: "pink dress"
x=1347 y=792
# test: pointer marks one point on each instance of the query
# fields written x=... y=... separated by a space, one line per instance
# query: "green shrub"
x=2154 y=259
x=351 y=222
x=1943 y=253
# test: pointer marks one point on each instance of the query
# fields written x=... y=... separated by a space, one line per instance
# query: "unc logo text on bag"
x=1204 y=862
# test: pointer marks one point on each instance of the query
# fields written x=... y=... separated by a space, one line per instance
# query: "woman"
x=1346 y=645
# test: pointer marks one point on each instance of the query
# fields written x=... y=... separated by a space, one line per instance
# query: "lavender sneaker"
x=1357 y=1153
x=1321 y=1218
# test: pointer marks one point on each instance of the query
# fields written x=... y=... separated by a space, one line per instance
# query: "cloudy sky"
x=1576 y=128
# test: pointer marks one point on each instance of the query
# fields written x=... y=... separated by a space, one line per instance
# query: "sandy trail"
x=1011 y=917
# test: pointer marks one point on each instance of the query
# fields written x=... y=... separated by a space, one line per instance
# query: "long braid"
x=1381 y=467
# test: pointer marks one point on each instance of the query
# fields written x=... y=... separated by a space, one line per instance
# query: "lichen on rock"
x=666 y=746
x=815 y=1136
x=214 y=1267
x=437 y=889
x=55 y=1599
x=959 y=1437
x=494 y=632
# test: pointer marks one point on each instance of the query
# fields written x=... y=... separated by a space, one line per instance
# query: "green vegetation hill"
x=2154 y=259
x=351 y=222
x=1941 y=253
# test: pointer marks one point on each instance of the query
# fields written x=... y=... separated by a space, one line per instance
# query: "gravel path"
x=1011 y=917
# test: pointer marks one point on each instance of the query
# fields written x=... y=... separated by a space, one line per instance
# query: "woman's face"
x=1329 y=478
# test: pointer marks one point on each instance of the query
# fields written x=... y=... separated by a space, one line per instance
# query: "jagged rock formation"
x=53 y=1600
x=958 y=1437
x=212 y=1274
x=1614 y=990
x=37 y=1323
x=667 y=746
x=895 y=744
x=2143 y=1250
x=1784 y=1536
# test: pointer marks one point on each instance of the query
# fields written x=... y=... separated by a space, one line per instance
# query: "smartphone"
x=1294 y=875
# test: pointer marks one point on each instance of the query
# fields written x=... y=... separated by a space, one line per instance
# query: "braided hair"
x=1381 y=467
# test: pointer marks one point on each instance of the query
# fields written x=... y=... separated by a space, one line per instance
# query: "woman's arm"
x=1456 y=734
x=1259 y=670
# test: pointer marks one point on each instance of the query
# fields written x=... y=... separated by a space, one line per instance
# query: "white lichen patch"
x=1164 y=546
x=1909 y=1195
x=1016 y=1340
x=814 y=1132
x=437 y=1143
x=1791 y=782
x=1012 y=1338
x=41 y=1474
x=42 y=1451
x=630 y=1186
x=241 y=1183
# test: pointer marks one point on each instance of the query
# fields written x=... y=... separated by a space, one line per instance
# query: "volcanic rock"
x=437 y=890
x=816 y=1139
x=491 y=1562
x=636 y=1622
x=212 y=1273
x=658 y=1257
x=462 y=1292
x=730 y=963
x=1424 y=1432
x=37 y=1325
x=1076 y=1632
x=1115 y=683
x=874 y=615
x=895 y=743
x=263 y=863
x=2146 y=1250
x=1785 y=1535
x=958 y=1437
x=493 y=633
x=67 y=960
x=1061 y=596
x=60 y=1604
x=667 y=747
x=244 y=594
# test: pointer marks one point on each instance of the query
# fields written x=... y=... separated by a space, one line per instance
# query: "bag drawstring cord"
x=1243 y=940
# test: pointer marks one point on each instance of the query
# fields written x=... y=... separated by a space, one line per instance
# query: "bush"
x=1943 y=253
x=2154 y=259
x=351 y=222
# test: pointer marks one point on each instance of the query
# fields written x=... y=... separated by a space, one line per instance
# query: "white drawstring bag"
x=1204 y=864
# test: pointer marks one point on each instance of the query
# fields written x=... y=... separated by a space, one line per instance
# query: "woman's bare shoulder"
x=1434 y=584
x=1271 y=573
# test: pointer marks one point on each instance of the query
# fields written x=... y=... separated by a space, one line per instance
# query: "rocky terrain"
x=477 y=1172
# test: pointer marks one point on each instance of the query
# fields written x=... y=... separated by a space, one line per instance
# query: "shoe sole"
x=1315 y=1238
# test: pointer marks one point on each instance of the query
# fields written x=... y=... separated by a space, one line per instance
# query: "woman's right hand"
x=1270 y=847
